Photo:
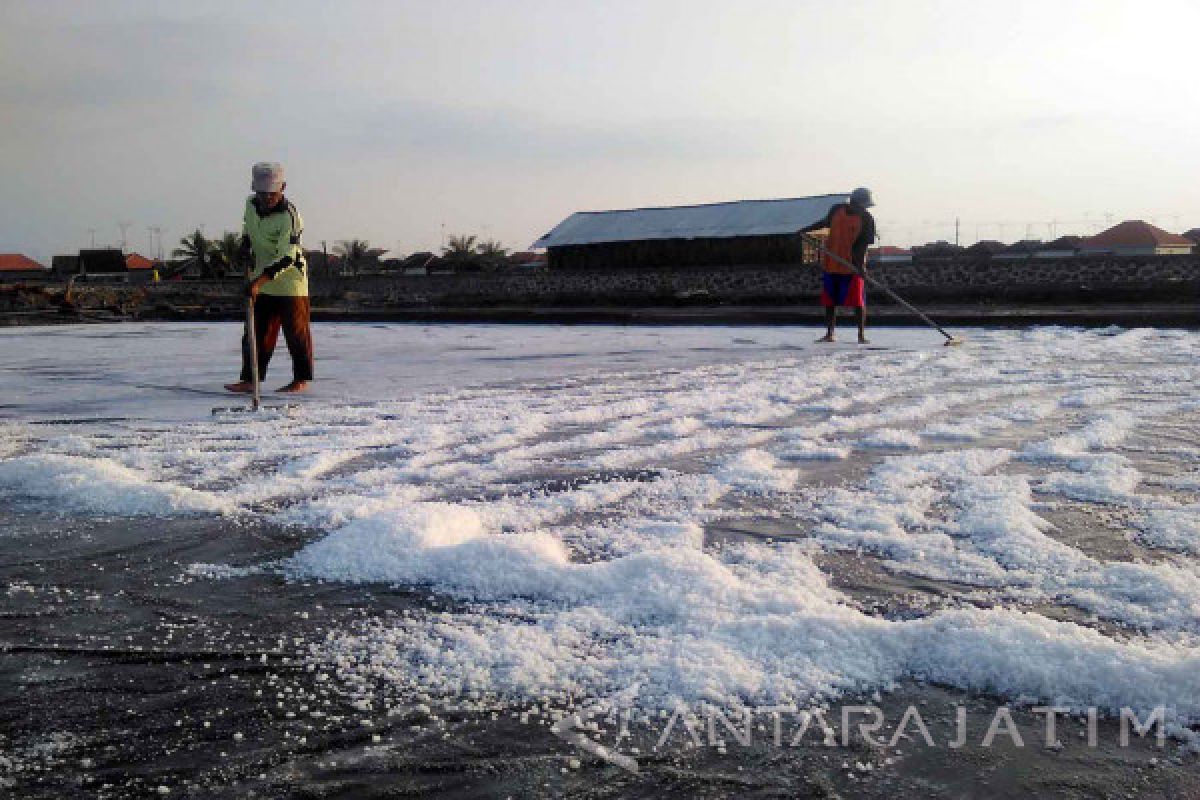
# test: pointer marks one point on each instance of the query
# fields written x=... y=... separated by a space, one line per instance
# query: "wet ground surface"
x=128 y=668
x=121 y=674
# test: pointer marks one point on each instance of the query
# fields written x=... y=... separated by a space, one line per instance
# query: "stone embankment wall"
x=1123 y=279
x=1091 y=280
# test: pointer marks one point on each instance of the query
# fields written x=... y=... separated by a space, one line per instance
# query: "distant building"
x=1019 y=251
x=1136 y=238
x=142 y=269
x=19 y=267
x=889 y=254
x=1062 y=247
x=419 y=263
x=106 y=265
x=985 y=248
x=64 y=266
x=940 y=249
x=742 y=233
x=106 y=262
x=1194 y=235
x=527 y=259
x=322 y=262
x=136 y=261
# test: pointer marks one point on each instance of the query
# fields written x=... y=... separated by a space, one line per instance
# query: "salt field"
x=536 y=519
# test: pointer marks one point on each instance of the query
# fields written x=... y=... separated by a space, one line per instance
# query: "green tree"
x=354 y=251
x=194 y=251
x=492 y=249
x=224 y=253
x=460 y=247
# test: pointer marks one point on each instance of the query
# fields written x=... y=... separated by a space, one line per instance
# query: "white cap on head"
x=266 y=176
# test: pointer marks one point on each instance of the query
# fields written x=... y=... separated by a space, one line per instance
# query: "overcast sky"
x=500 y=118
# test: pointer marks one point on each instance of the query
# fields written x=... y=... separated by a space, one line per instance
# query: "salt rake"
x=951 y=341
x=255 y=395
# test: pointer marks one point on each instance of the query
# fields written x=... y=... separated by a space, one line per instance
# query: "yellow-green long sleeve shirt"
x=275 y=242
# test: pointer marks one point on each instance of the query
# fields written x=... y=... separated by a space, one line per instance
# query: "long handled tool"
x=951 y=341
x=256 y=392
x=252 y=343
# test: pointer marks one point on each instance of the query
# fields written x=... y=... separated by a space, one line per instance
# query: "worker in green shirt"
x=278 y=284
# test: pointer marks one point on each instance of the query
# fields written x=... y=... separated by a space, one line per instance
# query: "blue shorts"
x=842 y=290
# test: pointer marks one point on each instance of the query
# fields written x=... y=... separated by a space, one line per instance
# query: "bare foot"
x=826 y=338
x=241 y=387
x=863 y=340
x=295 y=387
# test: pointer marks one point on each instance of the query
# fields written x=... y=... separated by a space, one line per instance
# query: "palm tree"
x=492 y=249
x=460 y=247
x=353 y=251
x=194 y=251
x=226 y=251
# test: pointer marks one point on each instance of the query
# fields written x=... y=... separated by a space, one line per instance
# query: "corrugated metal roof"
x=711 y=221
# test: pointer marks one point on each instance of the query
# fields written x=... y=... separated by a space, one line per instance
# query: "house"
x=142 y=269
x=985 y=249
x=64 y=267
x=1135 y=237
x=419 y=263
x=136 y=261
x=889 y=254
x=1062 y=247
x=940 y=250
x=104 y=264
x=740 y=233
x=527 y=260
x=16 y=267
x=1019 y=251
x=322 y=262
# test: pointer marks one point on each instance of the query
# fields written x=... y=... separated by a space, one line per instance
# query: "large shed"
x=742 y=233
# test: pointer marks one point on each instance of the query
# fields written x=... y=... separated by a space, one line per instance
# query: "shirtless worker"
x=851 y=231
x=278 y=285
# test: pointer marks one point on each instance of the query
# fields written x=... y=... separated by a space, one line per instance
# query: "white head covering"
x=266 y=176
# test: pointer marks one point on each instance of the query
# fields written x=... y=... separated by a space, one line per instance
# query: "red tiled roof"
x=890 y=250
x=1135 y=233
x=15 y=262
x=137 y=261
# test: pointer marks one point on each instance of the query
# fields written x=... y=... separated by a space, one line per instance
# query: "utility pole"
x=92 y=231
x=124 y=226
x=157 y=230
x=956 y=228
